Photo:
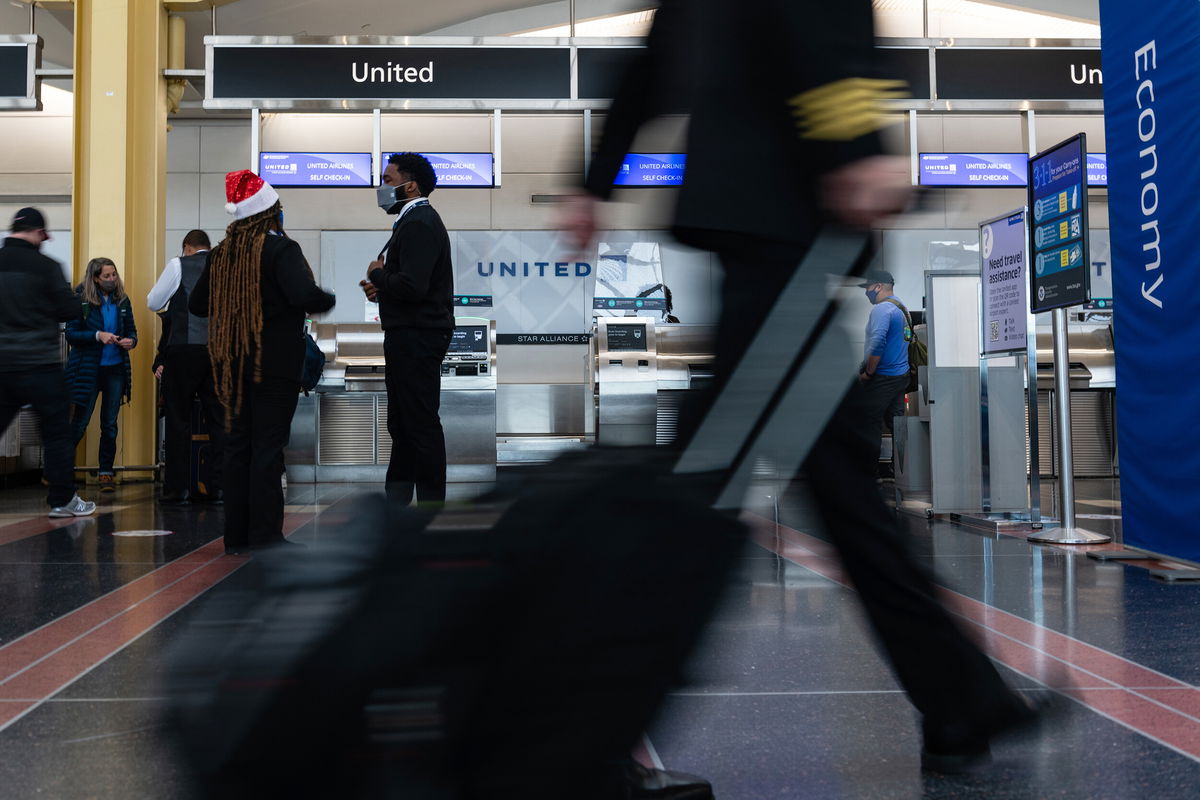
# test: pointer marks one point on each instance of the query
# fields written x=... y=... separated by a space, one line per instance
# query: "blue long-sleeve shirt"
x=885 y=338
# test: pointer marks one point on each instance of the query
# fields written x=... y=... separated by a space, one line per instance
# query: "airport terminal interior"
x=1001 y=468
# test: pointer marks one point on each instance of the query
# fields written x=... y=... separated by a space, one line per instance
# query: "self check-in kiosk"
x=340 y=432
x=643 y=369
x=626 y=381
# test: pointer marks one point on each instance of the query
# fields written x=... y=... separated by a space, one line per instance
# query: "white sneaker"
x=78 y=507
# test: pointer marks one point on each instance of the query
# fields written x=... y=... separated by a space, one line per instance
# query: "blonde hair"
x=89 y=290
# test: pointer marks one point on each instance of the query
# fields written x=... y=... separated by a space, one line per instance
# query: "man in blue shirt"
x=883 y=375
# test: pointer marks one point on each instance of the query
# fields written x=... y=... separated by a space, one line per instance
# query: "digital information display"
x=476 y=300
x=651 y=169
x=469 y=339
x=626 y=338
x=461 y=170
x=315 y=169
x=1002 y=247
x=1005 y=170
x=1058 y=233
x=629 y=303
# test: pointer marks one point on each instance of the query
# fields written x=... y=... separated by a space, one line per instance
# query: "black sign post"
x=255 y=75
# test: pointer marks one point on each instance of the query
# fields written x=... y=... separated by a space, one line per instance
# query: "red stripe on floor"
x=1155 y=705
x=21 y=654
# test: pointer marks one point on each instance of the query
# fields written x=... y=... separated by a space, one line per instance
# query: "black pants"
x=414 y=388
x=871 y=404
x=949 y=680
x=187 y=374
x=258 y=433
x=43 y=388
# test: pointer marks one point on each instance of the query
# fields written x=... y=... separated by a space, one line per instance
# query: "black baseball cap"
x=28 y=219
x=877 y=276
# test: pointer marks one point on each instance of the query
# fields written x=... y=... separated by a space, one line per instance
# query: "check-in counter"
x=643 y=371
x=340 y=431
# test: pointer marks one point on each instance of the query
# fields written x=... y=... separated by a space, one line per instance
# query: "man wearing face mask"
x=883 y=375
x=413 y=282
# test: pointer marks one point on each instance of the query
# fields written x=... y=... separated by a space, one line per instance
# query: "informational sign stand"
x=1007 y=329
x=1060 y=278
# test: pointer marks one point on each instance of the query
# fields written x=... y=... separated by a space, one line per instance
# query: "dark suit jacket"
x=288 y=293
x=737 y=65
x=416 y=281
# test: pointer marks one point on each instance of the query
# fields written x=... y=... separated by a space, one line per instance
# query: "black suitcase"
x=517 y=649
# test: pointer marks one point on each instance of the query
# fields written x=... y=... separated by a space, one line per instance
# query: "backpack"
x=314 y=365
x=918 y=353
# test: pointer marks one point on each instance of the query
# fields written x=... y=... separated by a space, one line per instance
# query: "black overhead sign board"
x=324 y=72
x=1019 y=74
x=14 y=70
x=246 y=74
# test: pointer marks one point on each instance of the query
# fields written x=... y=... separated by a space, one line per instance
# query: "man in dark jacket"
x=186 y=372
x=414 y=286
x=793 y=88
x=36 y=298
x=256 y=289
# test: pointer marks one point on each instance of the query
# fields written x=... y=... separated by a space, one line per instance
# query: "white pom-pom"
x=231 y=208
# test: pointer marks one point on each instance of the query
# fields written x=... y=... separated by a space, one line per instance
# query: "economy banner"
x=1151 y=82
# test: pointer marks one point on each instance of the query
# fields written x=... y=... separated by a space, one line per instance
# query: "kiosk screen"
x=469 y=339
x=627 y=337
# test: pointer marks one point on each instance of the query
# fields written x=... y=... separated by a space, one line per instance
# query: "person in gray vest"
x=186 y=372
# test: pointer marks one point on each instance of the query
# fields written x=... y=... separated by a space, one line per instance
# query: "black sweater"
x=416 y=282
x=34 y=300
x=288 y=292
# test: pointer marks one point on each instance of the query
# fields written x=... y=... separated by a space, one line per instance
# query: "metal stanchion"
x=1066 y=533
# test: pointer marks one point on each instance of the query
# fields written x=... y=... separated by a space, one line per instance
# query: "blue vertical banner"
x=1151 y=84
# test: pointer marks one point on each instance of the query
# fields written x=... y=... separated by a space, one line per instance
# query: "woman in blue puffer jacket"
x=100 y=338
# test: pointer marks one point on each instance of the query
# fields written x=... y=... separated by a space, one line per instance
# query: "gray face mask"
x=390 y=199
x=108 y=287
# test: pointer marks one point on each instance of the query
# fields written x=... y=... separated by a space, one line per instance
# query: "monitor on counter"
x=626 y=337
x=460 y=170
x=651 y=169
x=291 y=169
x=469 y=339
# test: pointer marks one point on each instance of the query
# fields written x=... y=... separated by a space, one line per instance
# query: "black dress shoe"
x=174 y=498
x=965 y=747
x=217 y=498
x=646 y=783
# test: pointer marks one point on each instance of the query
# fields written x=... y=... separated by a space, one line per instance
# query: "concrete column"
x=120 y=181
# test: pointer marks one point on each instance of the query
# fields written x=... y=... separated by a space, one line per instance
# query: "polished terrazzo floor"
x=786 y=698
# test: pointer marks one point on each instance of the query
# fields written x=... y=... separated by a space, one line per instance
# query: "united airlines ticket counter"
x=339 y=433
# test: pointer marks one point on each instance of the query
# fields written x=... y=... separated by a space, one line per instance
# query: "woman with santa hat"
x=256 y=289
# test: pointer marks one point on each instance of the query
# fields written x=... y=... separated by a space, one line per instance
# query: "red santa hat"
x=247 y=194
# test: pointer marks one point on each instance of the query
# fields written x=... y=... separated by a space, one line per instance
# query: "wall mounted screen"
x=1007 y=170
x=462 y=170
x=288 y=169
x=651 y=169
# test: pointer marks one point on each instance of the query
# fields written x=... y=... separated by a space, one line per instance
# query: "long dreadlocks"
x=235 y=306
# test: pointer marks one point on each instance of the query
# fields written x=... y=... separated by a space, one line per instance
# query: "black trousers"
x=414 y=388
x=871 y=403
x=187 y=375
x=949 y=680
x=43 y=388
x=258 y=433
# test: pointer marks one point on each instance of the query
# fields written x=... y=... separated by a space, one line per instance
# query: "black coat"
x=416 y=282
x=34 y=299
x=736 y=66
x=288 y=293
